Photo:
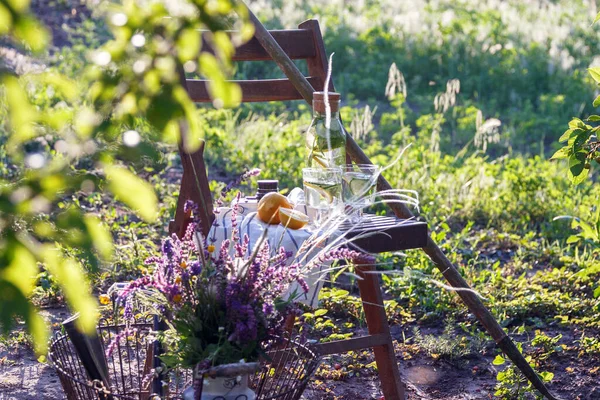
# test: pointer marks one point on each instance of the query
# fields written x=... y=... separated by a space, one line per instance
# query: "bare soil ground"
x=22 y=377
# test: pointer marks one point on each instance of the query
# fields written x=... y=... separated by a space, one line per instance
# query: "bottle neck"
x=320 y=115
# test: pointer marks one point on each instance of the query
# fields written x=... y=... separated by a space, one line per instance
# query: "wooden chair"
x=391 y=234
x=305 y=43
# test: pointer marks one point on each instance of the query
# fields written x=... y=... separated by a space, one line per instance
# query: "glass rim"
x=351 y=167
x=320 y=169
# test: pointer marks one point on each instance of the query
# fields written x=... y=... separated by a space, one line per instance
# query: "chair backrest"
x=305 y=43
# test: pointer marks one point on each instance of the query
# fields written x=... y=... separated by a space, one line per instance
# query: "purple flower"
x=195 y=268
x=303 y=284
x=117 y=339
x=128 y=309
x=345 y=254
x=190 y=207
x=268 y=308
x=232 y=184
x=167 y=248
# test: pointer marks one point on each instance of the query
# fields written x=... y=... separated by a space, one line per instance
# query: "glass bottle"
x=325 y=148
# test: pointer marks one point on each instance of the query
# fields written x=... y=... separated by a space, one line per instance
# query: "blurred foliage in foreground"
x=64 y=135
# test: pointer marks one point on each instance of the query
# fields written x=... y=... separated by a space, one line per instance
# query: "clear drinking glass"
x=323 y=191
x=358 y=187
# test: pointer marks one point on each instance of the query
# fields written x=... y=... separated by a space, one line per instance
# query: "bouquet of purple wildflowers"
x=219 y=304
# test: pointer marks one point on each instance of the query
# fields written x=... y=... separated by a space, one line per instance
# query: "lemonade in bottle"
x=325 y=147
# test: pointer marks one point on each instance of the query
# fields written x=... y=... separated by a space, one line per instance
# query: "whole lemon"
x=268 y=207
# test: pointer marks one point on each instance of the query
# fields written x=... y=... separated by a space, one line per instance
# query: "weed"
x=449 y=345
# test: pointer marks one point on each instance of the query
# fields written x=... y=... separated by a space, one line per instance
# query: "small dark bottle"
x=267 y=186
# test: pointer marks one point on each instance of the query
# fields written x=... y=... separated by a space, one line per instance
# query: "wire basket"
x=287 y=373
x=130 y=366
x=283 y=375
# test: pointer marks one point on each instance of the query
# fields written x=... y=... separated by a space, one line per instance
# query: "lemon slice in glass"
x=322 y=190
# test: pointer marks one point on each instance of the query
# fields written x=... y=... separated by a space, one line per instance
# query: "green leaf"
x=565 y=136
x=576 y=164
x=5 y=20
x=100 y=236
x=71 y=278
x=591 y=270
x=547 y=376
x=320 y=312
x=578 y=179
x=164 y=109
x=595 y=73
x=15 y=304
x=22 y=269
x=133 y=191
x=561 y=153
x=576 y=123
x=594 y=118
x=224 y=93
x=499 y=360
x=194 y=133
x=588 y=231
x=60 y=83
x=223 y=43
x=573 y=239
x=596 y=102
x=21 y=114
x=597 y=292
x=188 y=44
x=38 y=328
x=30 y=31
x=19 y=6
x=596 y=19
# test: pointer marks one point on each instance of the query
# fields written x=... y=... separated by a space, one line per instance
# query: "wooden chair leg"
x=370 y=293
x=289 y=325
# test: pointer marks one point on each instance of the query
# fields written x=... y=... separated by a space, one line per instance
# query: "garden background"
x=482 y=90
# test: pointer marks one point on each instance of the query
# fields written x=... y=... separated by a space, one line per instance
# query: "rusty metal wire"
x=288 y=367
x=284 y=375
x=130 y=366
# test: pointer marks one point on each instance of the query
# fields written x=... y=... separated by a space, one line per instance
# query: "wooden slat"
x=297 y=44
x=383 y=234
x=346 y=345
x=317 y=65
x=254 y=91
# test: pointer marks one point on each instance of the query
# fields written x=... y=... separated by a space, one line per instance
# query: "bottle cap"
x=319 y=101
x=266 y=186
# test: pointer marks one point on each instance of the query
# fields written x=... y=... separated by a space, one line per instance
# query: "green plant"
x=582 y=145
x=546 y=345
x=589 y=344
x=448 y=345
x=512 y=385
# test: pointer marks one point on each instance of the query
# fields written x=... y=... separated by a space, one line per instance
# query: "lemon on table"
x=292 y=219
x=269 y=206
